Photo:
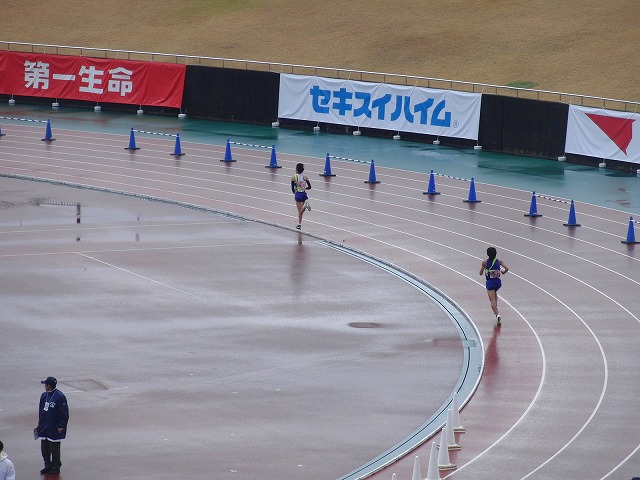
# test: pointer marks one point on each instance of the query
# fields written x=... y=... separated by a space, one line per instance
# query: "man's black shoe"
x=45 y=470
x=54 y=471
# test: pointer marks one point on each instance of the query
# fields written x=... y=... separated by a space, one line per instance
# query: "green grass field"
x=586 y=47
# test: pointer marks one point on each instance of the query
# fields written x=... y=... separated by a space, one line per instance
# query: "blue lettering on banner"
x=380 y=104
x=321 y=99
x=343 y=101
x=363 y=109
x=362 y=104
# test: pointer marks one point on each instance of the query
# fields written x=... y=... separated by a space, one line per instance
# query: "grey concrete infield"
x=195 y=343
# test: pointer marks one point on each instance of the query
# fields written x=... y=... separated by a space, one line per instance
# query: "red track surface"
x=558 y=397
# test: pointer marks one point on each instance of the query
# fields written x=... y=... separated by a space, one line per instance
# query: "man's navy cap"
x=50 y=381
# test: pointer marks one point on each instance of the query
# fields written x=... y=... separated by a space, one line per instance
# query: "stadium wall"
x=527 y=127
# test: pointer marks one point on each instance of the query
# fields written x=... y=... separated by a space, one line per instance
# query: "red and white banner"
x=605 y=134
x=92 y=79
x=379 y=105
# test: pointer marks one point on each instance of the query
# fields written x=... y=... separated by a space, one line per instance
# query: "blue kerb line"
x=348 y=159
x=157 y=133
x=553 y=199
x=365 y=162
x=251 y=145
x=265 y=146
x=23 y=119
x=546 y=197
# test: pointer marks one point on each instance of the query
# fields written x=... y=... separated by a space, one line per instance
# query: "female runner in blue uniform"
x=299 y=183
x=492 y=268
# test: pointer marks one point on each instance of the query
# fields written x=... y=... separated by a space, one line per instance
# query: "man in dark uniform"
x=52 y=424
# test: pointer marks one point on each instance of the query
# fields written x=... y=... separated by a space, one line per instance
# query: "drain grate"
x=364 y=325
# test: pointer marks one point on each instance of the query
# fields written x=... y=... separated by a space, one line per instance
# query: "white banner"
x=398 y=108
x=605 y=134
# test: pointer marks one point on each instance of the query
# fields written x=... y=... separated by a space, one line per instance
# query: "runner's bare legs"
x=301 y=209
x=493 y=299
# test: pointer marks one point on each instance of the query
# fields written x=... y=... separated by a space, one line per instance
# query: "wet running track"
x=317 y=361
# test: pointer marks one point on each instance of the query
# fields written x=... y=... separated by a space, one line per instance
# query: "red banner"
x=92 y=79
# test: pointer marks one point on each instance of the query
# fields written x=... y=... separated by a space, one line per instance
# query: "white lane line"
x=505 y=249
x=148 y=279
x=256 y=189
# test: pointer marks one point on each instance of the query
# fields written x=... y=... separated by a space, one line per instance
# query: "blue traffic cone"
x=48 y=137
x=227 y=153
x=274 y=162
x=327 y=168
x=132 y=142
x=431 y=190
x=472 y=193
x=572 y=217
x=2 y=134
x=631 y=236
x=372 y=174
x=533 y=209
x=177 y=151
